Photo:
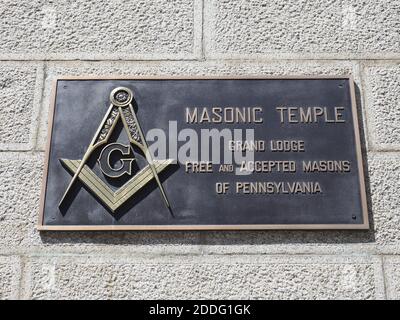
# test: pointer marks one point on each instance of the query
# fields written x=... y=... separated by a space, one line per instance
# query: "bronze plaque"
x=203 y=153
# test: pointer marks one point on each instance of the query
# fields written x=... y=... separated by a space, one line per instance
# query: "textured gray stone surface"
x=20 y=92
x=384 y=172
x=256 y=277
x=392 y=277
x=20 y=183
x=383 y=104
x=103 y=29
x=10 y=275
x=133 y=69
x=304 y=28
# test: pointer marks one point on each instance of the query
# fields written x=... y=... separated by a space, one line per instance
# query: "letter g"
x=110 y=151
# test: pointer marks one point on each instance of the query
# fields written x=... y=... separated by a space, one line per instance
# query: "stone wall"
x=40 y=40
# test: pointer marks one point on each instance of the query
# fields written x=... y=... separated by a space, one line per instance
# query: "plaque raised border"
x=362 y=226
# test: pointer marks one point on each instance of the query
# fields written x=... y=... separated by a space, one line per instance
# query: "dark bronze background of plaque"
x=80 y=104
